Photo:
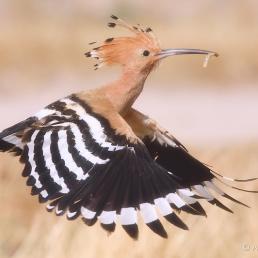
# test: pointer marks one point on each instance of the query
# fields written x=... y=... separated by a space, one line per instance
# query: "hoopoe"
x=93 y=155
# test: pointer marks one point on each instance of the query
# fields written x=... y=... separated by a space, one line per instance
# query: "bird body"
x=93 y=155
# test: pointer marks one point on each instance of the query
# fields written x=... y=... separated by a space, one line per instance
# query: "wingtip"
x=235 y=200
x=176 y=221
x=197 y=206
x=216 y=202
x=110 y=228
x=132 y=230
x=189 y=209
x=157 y=228
x=89 y=222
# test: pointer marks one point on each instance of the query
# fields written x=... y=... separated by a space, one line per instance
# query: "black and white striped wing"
x=77 y=163
x=192 y=174
x=62 y=151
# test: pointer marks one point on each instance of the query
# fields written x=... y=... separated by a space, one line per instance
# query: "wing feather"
x=190 y=173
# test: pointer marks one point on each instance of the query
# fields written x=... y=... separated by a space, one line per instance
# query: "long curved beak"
x=184 y=51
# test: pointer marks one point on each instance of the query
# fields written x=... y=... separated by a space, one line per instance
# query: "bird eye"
x=146 y=52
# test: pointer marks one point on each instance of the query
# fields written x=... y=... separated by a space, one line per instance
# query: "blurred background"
x=212 y=110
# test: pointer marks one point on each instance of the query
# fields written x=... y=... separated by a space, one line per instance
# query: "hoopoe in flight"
x=92 y=155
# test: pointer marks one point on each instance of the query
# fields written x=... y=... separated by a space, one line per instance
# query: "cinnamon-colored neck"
x=123 y=92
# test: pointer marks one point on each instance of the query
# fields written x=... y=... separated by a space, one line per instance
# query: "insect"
x=92 y=155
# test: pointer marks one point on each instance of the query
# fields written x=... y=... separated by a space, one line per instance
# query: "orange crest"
x=140 y=48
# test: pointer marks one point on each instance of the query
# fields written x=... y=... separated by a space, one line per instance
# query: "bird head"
x=140 y=51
